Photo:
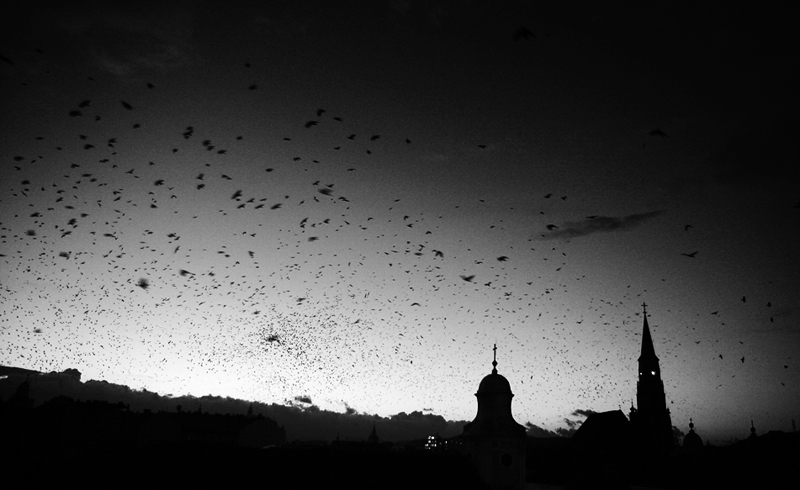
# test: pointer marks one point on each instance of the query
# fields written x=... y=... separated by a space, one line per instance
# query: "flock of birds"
x=287 y=278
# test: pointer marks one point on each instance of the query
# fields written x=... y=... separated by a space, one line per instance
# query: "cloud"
x=600 y=224
x=755 y=155
x=117 y=37
x=566 y=432
x=299 y=416
x=301 y=419
x=573 y=425
x=536 y=431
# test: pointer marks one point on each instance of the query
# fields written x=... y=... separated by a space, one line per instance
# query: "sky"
x=347 y=206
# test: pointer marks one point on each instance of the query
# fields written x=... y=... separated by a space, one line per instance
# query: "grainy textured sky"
x=349 y=205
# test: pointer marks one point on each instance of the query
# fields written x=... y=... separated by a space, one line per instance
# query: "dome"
x=494 y=383
x=692 y=440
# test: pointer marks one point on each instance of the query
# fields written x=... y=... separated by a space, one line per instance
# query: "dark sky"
x=364 y=199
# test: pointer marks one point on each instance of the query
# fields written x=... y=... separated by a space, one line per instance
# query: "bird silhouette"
x=523 y=33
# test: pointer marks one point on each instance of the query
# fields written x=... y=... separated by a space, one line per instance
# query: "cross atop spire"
x=494 y=362
x=644 y=308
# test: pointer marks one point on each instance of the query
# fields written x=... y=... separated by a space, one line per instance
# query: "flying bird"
x=126 y=105
x=523 y=33
x=690 y=255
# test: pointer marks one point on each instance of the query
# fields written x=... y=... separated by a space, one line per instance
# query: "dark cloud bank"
x=300 y=417
x=600 y=224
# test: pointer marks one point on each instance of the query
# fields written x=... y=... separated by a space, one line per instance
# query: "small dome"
x=494 y=383
x=692 y=440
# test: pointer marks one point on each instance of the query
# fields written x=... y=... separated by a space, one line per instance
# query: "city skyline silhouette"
x=339 y=209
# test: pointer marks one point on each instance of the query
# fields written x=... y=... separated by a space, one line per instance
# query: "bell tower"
x=652 y=425
x=494 y=441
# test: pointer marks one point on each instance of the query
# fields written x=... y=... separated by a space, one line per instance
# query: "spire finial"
x=691 y=424
x=494 y=362
x=644 y=308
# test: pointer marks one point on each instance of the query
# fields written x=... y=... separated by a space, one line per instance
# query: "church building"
x=494 y=441
x=650 y=420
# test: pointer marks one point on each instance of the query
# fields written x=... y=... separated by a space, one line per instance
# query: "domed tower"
x=752 y=435
x=494 y=441
x=691 y=440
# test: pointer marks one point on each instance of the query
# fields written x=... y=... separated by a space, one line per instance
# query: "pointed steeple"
x=651 y=419
x=648 y=352
x=373 y=437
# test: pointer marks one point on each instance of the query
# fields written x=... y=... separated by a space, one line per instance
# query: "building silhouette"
x=373 y=436
x=753 y=434
x=650 y=419
x=494 y=441
x=692 y=441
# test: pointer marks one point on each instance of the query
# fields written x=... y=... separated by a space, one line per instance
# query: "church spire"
x=648 y=352
x=494 y=361
x=651 y=419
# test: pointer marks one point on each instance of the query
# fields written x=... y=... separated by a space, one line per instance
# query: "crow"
x=523 y=33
